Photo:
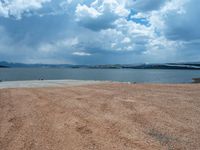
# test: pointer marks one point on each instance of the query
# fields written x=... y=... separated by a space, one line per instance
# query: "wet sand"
x=107 y=116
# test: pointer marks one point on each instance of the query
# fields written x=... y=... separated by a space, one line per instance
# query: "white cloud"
x=17 y=7
x=81 y=54
x=83 y=12
x=100 y=14
x=126 y=40
x=145 y=5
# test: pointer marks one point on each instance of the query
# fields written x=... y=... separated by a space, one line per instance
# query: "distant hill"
x=191 y=66
x=21 y=65
x=3 y=66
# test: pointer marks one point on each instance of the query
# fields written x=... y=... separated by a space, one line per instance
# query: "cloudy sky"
x=99 y=31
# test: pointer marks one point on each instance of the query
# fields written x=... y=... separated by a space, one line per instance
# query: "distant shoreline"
x=182 y=66
x=134 y=68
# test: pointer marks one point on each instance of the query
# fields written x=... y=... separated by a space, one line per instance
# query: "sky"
x=99 y=31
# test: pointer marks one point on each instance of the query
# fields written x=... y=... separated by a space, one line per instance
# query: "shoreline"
x=67 y=83
x=47 y=83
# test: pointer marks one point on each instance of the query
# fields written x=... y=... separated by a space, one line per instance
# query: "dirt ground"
x=111 y=116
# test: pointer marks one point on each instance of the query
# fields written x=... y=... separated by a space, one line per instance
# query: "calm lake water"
x=125 y=75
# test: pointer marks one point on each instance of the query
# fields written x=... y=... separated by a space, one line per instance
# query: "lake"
x=122 y=75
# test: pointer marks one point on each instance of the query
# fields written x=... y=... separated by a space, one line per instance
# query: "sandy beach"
x=99 y=116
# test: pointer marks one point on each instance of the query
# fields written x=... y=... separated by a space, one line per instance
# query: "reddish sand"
x=101 y=117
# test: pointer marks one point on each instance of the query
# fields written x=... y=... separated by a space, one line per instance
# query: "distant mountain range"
x=192 y=66
x=22 y=65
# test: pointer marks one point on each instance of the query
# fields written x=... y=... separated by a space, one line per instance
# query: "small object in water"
x=40 y=79
x=1 y=80
x=131 y=82
x=196 y=80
